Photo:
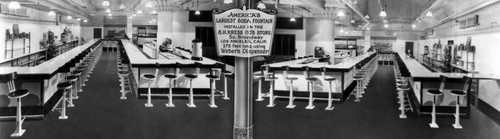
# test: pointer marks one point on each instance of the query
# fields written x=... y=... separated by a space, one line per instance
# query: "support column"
x=165 y=26
x=320 y=32
x=367 y=34
x=243 y=104
x=130 y=30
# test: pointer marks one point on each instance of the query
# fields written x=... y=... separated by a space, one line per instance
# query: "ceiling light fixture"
x=336 y=22
x=429 y=14
x=122 y=6
x=353 y=21
x=110 y=14
x=413 y=26
x=139 y=11
x=105 y=3
x=108 y=10
x=134 y=15
x=293 y=14
x=153 y=12
x=261 y=5
x=367 y=17
x=197 y=10
x=228 y=1
x=386 y=25
x=341 y=31
x=367 y=28
x=292 y=19
x=85 y=21
x=149 y=4
x=383 y=13
x=341 y=13
x=78 y=19
x=69 y=17
x=394 y=34
x=130 y=17
x=52 y=13
x=14 y=5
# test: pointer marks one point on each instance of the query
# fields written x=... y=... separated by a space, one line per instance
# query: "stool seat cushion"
x=192 y=76
x=311 y=78
x=291 y=78
x=212 y=76
x=148 y=76
x=358 y=77
x=18 y=93
x=72 y=78
x=458 y=93
x=330 y=79
x=77 y=72
x=123 y=72
x=434 y=92
x=403 y=87
x=226 y=72
x=171 y=76
x=64 y=85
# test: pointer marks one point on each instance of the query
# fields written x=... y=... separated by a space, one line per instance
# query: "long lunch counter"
x=314 y=77
x=41 y=82
x=153 y=75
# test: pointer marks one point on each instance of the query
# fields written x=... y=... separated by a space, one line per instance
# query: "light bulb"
x=367 y=28
x=14 y=5
x=383 y=13
x=105 y=3
x=341 y=14
x=429 y=14
x=108 y=10
x=197 y=12
x=52 y=13
x=353 y=21
x=413 y=26
x=367 y=17
x=386 y=25
x=69 y=17
x=341 y=31
x=85 y=21
x=130 y=17
x=292 y=19
x=153 y=12
x=110 y=14
x=149 y=4
x=122 y=6
x=139 y=11
x=261 y=5
x=133 y=15
x=78 y=19
x=228 y=1
x=394 y=34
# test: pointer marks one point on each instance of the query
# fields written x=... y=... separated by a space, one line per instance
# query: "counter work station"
x=317 y=79
x=175 y=74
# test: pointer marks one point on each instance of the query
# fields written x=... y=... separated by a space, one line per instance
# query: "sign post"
x=243 y=33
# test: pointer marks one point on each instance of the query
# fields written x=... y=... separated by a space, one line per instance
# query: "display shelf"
x=13 y=48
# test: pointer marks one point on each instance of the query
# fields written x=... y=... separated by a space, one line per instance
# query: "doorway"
x=98 y=33
x=409 y=49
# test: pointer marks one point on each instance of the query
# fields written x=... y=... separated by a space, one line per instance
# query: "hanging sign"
x=244 y=32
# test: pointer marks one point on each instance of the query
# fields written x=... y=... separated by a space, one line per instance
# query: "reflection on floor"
x=99 y=113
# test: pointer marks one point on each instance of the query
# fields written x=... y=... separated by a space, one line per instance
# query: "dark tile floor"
x=99 y=113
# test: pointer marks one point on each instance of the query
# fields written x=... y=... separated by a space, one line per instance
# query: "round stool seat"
x=225 y=72
x=72 y=78
x=311 y=78
x=18 y=93
x=149 y=76
x=170 y=76
x=122 y=68
x=403 y=87
x=212 y=76
x=64 y=85
x=330 y=79
x=292 y=78
x=192 y=76
x=258 y=75
x=123 y=72
x=458 y=93
x=434 y=92
x=271 y=78
x=357 y=77
x=77 y=72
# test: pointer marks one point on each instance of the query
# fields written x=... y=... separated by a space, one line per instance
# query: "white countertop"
x=346 y=64
x=50 y=66
x=418 y=70
x=137 y=57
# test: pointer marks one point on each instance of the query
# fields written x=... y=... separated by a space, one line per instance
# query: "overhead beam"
x=316 y=4
x=464 y=13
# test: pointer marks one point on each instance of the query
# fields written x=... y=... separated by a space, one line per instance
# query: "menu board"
x=244 y=32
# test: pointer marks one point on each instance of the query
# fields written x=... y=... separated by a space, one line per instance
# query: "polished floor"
x=99 y=113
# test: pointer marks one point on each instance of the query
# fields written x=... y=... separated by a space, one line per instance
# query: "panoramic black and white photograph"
x=245 y=69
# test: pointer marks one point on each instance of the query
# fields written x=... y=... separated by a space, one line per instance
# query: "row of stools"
x=365 y=71
x=401 y=75
x=270 y=76
x=73 y=76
